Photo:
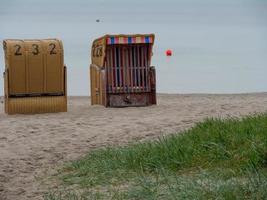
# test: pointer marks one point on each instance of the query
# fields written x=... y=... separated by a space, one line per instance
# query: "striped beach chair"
x=121 y=73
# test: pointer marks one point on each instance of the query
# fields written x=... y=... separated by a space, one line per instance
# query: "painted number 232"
x=35 y=49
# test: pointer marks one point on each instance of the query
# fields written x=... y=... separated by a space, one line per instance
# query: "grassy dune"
x=216 y=159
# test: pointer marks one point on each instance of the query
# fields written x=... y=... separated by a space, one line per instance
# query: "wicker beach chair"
x=35 y=76
x=121 y=73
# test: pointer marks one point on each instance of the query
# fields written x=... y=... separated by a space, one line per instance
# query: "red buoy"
x=169 y=52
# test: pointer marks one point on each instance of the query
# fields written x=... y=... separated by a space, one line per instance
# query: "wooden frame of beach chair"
x=120 y=72
x=35 y=78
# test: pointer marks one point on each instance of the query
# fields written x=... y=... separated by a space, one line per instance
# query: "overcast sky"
x=220 y=46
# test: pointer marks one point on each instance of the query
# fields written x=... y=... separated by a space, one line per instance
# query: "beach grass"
x=215 y=159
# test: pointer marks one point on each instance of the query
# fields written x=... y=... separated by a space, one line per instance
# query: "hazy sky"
x=220 y=46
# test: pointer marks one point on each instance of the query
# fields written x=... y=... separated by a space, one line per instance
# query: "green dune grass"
x=216 y=159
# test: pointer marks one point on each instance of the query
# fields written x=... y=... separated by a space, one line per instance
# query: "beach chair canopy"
x=127 y=59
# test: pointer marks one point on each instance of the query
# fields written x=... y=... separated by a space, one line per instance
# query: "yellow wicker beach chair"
x=35 y=76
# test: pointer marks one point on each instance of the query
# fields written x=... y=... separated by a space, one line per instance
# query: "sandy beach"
x=32 y=146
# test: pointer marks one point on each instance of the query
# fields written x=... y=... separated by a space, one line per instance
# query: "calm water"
x=218 y=46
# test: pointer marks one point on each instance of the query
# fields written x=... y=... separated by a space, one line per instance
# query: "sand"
x=32 y=146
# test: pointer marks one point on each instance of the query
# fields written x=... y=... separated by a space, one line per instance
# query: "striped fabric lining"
x=130 y=40
x=127 y=68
